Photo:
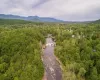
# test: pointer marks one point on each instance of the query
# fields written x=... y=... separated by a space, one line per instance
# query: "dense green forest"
x=20 y=57
x=77 y=47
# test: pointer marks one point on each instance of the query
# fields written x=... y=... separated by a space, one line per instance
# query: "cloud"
x=60 y=9
x=39 y=3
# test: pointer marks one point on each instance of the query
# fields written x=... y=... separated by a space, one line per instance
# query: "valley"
x=75 y=45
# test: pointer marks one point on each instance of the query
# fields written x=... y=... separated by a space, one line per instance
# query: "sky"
x=68 y=10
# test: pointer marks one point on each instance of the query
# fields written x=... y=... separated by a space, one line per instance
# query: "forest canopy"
x=77 y=47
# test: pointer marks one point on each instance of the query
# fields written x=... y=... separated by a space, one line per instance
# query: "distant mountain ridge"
x=30 y=18
x=97 y=21
x=41 y=19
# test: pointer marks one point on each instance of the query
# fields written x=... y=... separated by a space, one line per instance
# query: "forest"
x=77 y=48
x=20 y=57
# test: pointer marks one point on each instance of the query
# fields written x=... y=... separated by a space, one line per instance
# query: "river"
x=52 y=67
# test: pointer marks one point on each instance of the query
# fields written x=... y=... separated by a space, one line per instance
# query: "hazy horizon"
x=67 y=10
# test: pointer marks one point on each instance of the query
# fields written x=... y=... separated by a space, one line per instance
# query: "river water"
x=52 y=67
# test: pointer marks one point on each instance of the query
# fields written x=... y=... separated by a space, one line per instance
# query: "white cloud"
x=61 y=9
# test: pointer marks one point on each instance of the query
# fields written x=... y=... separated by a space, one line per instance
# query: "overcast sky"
x=69 y=10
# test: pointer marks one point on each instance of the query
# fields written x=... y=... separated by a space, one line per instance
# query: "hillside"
x=13 y=21
x=97 y=21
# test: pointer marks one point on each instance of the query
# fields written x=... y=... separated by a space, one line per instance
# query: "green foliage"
x=20 y=54
x=79 y=54
x=77 y=47
x=12 y=21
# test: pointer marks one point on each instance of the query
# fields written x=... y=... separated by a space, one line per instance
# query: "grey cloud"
x=60 y=9
x=39 y=3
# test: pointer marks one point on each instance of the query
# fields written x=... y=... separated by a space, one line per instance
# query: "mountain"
x=97 y=21
x=30 y=18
